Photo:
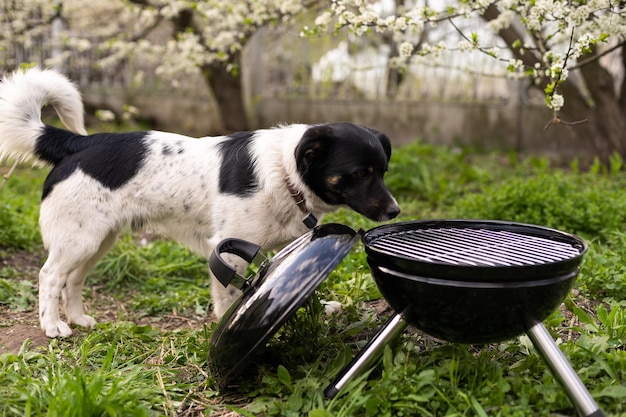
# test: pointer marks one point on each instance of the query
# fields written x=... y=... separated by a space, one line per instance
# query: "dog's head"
x=344 y=164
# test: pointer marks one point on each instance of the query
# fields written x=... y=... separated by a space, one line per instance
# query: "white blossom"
x=105 y=115
x=582 y=44
x=464 y=45
x=555 y=102
x=405 y=50
x=322 y=21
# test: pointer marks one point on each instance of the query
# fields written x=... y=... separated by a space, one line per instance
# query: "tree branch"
x=597 y=56
x=144 y=3
x=145 y=31
x=622 y=90
x=510 y=36
x=32 y=25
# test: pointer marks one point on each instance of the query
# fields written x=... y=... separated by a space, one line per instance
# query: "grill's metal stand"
x=562 y=370
x=543 y=342
x=368 y=356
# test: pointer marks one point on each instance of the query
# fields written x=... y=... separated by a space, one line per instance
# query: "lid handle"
x=225 y=273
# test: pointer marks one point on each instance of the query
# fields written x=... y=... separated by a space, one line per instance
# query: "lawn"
x=148 y=355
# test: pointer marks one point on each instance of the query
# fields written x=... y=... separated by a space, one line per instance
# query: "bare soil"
x=18 y=327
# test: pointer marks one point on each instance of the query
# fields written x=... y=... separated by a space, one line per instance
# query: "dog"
x=255 y=186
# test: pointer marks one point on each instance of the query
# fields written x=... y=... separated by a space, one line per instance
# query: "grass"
x=135 y=367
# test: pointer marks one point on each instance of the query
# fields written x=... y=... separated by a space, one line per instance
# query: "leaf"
x=480 y=411
x=603 y=315
x=240 y=411
x=295 y=401
x=319 y=412
x=583 y=316
x=613 y=391
x=284 y=377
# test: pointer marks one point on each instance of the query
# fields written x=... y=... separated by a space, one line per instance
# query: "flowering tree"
x=561 y=46
x=567 y=49
x=207 y=36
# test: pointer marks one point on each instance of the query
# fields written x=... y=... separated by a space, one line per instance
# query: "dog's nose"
x=393 y=211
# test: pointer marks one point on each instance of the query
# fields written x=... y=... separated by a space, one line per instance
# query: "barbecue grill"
x=464 y=281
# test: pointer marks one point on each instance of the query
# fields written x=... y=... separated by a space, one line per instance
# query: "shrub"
x=585 y=204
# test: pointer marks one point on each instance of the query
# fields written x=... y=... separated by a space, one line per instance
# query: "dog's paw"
x=56 y=328
x=332 y=307
x=83 y=320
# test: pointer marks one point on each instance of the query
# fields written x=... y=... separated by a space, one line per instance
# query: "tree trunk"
x=603 y=109
x=606 y=120
x=227 y=88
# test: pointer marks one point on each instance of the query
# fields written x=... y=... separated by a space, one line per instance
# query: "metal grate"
x=475 y=247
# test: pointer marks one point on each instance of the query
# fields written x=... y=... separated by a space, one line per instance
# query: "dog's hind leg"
x=51 y=282
x=72 y=292
x=63 y=274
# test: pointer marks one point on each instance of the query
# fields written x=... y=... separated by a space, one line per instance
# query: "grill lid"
x=473 y=250
x=276 y=292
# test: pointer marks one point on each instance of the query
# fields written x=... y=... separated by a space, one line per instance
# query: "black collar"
x=309 y=219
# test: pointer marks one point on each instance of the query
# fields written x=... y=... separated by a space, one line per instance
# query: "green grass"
x=130 y=369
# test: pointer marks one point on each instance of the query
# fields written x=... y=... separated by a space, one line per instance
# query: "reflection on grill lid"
x=474 y=247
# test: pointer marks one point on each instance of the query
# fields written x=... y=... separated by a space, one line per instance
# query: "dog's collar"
x=309 y=219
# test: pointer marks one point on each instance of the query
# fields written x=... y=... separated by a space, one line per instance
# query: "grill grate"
x=475 y=247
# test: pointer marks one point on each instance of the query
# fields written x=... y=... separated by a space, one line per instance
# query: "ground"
x=16 y=327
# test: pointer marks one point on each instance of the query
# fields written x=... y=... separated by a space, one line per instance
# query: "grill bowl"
x=473 y=282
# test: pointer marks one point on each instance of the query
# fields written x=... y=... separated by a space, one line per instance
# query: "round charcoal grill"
x=464 y=281
x=473 y=282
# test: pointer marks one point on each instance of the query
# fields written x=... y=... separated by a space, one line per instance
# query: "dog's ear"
x=384 y=141
x=313 y=146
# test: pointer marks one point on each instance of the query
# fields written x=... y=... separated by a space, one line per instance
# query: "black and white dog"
x=250 y=185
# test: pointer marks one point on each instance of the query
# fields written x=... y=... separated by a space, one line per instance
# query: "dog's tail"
x=22 y=96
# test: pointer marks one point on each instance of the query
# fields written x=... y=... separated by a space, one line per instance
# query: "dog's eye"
x=363 y=173
x=360 y=174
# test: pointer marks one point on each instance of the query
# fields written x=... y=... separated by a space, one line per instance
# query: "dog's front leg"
x=224 y=297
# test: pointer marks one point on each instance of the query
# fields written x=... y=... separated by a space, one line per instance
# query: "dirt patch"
x=18 y=327
x=13 y=338
x=28 y=263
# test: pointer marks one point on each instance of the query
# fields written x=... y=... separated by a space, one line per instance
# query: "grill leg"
x=563 y=371
x=369 y=355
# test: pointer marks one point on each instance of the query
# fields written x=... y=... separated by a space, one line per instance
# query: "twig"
x=479 y=48
x=169 y=407
x=556 y=120
x=6 y=176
